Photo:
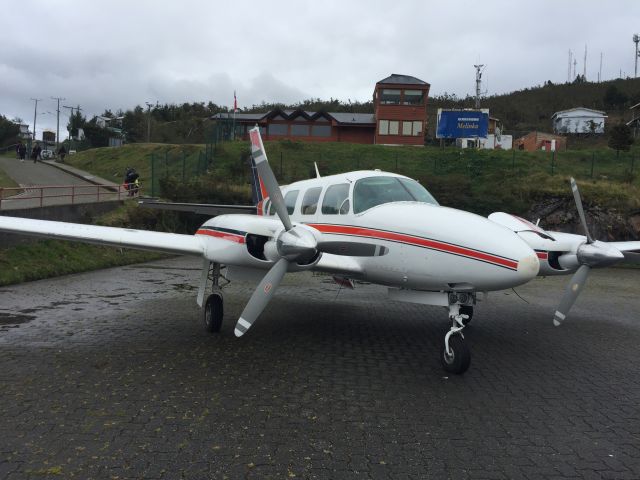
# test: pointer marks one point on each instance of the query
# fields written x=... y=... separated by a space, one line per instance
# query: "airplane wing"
x=630 y=250
x=116 y=237
x=202 y=208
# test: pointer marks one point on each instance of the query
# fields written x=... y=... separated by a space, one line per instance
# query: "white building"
x=578 y=120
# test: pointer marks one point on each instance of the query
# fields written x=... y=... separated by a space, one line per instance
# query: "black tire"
x=459 y=362
x=466 y=310
x=213 y=313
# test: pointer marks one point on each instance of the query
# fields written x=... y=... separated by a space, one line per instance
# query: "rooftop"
x=398 y=79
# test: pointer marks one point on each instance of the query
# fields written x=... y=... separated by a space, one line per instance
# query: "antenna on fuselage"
x=317 y=171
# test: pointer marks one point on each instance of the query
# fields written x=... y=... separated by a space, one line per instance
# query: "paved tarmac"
x=110 y=375
x=29 y=174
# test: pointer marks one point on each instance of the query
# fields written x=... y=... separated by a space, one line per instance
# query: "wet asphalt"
x=110 y=375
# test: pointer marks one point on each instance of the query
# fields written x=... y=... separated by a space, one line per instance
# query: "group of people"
x=36 y=152
x=131 y=181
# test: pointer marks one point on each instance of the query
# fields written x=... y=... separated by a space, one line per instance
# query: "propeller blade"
x=352 y=249
x=261 y=297
x=268 y=178
x=578 y=199
x=571 y=293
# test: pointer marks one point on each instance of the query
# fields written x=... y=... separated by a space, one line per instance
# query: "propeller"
x=295 y=244
x=592 y=254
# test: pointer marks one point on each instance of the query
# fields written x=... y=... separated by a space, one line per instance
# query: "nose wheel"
x=455 y=355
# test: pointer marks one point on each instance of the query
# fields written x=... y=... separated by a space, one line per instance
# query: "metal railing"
x=40 y=195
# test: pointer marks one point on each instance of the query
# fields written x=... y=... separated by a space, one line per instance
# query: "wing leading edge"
x=116 y=237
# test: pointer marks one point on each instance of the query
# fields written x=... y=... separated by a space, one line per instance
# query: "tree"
x=9 y=131
x=95 y=135
x=76 y=121
x=614 y=97
x=620 y=137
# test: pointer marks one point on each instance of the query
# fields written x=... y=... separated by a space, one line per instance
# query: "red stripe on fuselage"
x=417 y=241
x=232 y=237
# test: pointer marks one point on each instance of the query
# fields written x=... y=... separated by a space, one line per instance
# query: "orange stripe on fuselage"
x=232 y=237
x=417 y=241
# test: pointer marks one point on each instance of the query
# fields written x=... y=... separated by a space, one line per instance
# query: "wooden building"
x=399 y=118
x=400 y=106
x=304 y=126
x=540 y=141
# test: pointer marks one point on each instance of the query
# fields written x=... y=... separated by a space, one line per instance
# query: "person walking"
x=22 y=151
x=62 y=152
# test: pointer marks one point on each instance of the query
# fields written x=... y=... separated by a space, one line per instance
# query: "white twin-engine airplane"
x=368 y=225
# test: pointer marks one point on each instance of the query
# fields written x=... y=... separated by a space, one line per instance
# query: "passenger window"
x=290 y=200
x=336 y=200
x=310 y=201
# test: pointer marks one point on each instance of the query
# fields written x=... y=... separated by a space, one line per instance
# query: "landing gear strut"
x=455 y=355
x=214 y=306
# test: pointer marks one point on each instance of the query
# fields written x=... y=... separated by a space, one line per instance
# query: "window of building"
x=278 y=129
x=417 y=129
x=290 y=200
x=407 y=128
x=336 y=199
x=300 y=130
x=310 y=201
x=321 y=131
x=383 y=127
x=413 y=97
x=390 y=97
x=394 y=125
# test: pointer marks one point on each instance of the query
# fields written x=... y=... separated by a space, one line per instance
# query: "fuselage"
x=426 y=246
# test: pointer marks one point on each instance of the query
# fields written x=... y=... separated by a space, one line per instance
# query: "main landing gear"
x=213 y=311
x=455 y=355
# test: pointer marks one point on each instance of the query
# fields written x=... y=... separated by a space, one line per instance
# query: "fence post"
x=553 y=161
x=183 y=165
x=593 y=161
x=41 y=193
x=153 y=179
x=98 y=192
x=396 y=162
x=1 y=189
x=281 y=165
x=73 y=194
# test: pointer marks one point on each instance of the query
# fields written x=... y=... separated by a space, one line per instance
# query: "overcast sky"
x=118 y=54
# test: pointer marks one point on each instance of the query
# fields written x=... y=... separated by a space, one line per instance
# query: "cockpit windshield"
x=372 y=191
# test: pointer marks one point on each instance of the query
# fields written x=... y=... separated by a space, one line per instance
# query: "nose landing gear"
x=455 y=355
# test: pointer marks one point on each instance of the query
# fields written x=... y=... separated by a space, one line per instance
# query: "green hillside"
x=479 y=181
x=531 y=108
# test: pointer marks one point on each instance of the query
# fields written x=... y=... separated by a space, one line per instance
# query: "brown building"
x=540 y=141
x=400 y=106
x=400 y=116
x=305 y=126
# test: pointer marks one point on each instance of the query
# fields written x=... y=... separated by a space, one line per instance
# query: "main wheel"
x=460 y=358
x=213 y=312
x=466 y=310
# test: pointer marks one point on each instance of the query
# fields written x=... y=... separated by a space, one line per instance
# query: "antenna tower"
x=584 y=68
x=569 y=68
x=636 y=39
x=479 y=70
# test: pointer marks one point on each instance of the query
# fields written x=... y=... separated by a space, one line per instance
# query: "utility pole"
x=636 y=39
x=479 y=69
x=35 y=113
x=575 y=62
x=58 y=120
x=569 y=69
x=149 y=105
x=584 y=69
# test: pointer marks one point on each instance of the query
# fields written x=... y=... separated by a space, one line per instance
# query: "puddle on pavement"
x=14 y=318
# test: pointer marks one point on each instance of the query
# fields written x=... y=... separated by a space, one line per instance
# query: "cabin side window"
x=310 y=201
x=336 y=200
x=290 y=200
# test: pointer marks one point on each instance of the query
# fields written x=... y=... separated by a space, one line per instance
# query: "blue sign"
x=462 y=124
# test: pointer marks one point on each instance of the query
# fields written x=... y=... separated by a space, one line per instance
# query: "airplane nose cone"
x=528 y=267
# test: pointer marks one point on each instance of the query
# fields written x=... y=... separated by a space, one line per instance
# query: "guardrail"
x=76 y=193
